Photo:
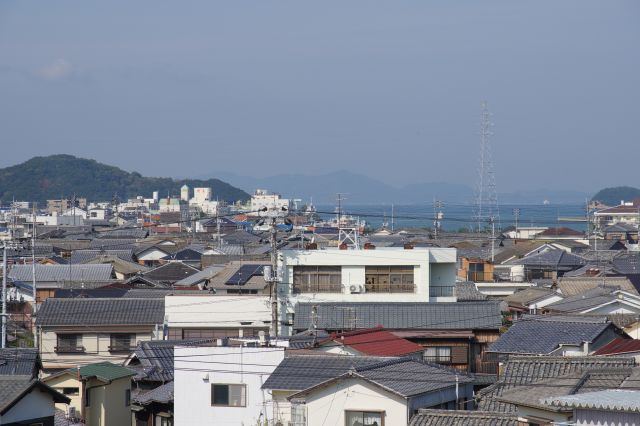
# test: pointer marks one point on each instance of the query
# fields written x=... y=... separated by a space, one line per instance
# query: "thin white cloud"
x=56 y=70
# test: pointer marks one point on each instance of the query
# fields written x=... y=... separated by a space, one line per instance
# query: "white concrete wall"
x=327 y=406
x=36 y=404
x=217 y=311
x=354 y=262
x=225 y=365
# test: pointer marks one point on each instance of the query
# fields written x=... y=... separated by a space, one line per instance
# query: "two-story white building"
x=223 y=385
x=365 y=275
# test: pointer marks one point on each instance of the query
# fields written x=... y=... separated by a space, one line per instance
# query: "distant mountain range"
x=55 y=176
x=361 y=189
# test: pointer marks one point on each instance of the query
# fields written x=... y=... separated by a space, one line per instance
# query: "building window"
x=298 y=414
x=438 y=354
x=364 y=418
x=127 y=397
x=122 y=342
x=226 y=395
x=69 y=343
x=317 y=279
x=71 y=391
x=389 y=279
x=87 y=399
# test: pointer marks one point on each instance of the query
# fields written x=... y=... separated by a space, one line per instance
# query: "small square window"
x=228 y=395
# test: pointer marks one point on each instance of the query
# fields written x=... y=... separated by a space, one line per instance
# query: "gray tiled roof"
x=170 y=272
x=344 y=316
x=574 y=383
x=13 y=387
x=130 y=233
x=159 y=292
x=521 y=370
x=628 y=264
x=113 y=243
x=571 y=286
x=605 y=400
x=586 y=300
x=467 y=291
x=19 y=362
x=306 y=339
x=544 y=335
x=84 y=256
x=426 y=417
x=61 y=273
x=162 y=394
x=108 y=311
x=299 y=372
x=550 y=258
x=155 y=358
x=528 y=295
x=408 y=377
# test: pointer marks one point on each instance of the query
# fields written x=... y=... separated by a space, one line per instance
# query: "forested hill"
x=613 y=196
x=55 y=176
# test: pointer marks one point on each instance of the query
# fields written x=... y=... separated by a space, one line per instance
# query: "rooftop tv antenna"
x=486 y=202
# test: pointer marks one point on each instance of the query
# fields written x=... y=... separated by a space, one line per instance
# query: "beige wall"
x=108 y=404
x=96 y=344
x=67 y=381
x=327 y=406
x=107 y=399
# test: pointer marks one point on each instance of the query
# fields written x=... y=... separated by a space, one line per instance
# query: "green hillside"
x=613 y=196
x=55 y=176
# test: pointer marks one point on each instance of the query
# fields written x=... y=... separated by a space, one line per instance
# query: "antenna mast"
x=486 y=197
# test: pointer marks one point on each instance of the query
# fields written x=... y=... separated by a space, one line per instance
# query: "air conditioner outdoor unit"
x=71 y=412
x=355 y=288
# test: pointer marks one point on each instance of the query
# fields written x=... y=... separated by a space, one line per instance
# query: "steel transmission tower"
x=486 y=202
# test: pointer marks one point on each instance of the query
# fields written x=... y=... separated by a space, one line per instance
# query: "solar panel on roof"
x=244 y=273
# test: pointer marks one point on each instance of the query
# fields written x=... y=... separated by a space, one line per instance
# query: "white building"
x=626 y=212
x=225 y=387
x=184 y=193
x=378 y=275
x=265 y=199
x=211 y=316
x=201 y=195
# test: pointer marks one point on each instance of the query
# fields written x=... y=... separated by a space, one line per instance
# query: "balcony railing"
x=442 y=291
x=121 y=348
x=69 y=349
x=390 y=288
x=317 y=288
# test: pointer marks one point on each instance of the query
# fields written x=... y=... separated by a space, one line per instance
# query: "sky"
x=390 y=89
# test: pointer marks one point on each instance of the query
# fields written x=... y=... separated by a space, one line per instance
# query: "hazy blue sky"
x=390 y=89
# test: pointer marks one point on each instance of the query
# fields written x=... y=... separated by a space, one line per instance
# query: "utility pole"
x=516 y=213
x=392 y=218
x=340 y=198
x=274 y=214
x=493 y=239
x=33 y=276
x=4 y=295
x=437 y=216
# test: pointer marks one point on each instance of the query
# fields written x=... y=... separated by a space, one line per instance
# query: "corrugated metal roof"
x=347 y=316
x=374 y=342
x=619 y=346
x=607 y=400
